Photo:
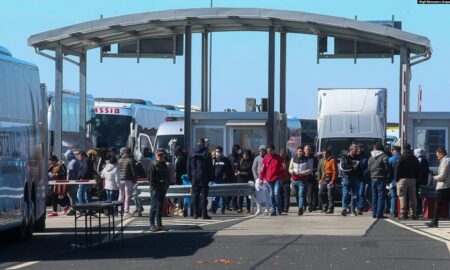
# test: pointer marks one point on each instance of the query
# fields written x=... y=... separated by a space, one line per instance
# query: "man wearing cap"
x=158 y=177
x=200 y=172
x=408 y=169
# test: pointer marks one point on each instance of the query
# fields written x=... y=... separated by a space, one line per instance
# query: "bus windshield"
x=339 y=146
x=106 y=136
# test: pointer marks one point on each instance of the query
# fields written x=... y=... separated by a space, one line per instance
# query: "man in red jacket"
x=272 y=171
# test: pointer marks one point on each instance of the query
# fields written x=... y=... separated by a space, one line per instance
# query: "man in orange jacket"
x=327 y=182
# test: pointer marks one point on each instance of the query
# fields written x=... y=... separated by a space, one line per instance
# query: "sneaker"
x=431 y=225
x=239 y=211
x=273 y=214
x=300 y=212
x=414 y=217
x=329 y=212
x=382 y=217
x=323 y=210
x=153 y=228
x=258 y=212
x=248 y=211
x=206 y=217
x=354 y=214
x=65 y=209
x=266 y=212
x=162 y=229
x=310 y=209
x=344 y=212
x=53 y=214
x=360 y=212
x=403 y=217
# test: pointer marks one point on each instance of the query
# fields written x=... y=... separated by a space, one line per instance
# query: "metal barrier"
x=215 y=190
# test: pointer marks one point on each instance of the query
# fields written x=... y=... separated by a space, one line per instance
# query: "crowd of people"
x=369 y=183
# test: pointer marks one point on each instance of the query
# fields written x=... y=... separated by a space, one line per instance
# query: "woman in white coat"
x=112 y=178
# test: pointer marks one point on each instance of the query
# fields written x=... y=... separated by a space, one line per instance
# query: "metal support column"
x=271 y=88
x=187 y=87
x=283 y=72
x=283 y=132
x=58 y=102
x=205 y=91
x=404 y=94
x=82 y=127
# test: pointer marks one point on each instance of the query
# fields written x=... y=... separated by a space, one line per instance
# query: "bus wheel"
x=31 y=219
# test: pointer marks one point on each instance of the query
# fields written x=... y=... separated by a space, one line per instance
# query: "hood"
x=69 y=155
x=109 y=167
x=419 y=152
x=376 y=153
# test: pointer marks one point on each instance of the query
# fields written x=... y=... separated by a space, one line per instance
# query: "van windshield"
x=162 y=141
x=339 y=146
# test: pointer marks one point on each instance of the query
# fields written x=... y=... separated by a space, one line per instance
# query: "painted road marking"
x=22 y=265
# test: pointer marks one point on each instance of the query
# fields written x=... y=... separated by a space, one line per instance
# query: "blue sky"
x=239 y=59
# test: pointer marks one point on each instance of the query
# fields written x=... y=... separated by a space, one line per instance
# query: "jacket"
x=235 y=159
x=443 y=177
x=180 y=168
x=111 y=176
x=244 y=171
x=159 y=178
x=320 y=168
x=257 y=165
x=86 y=169
x=126 y=168
x=300 y=168
x=424 y=167
x=364 y=163
x=351 y=167
x=222 y=168
x=199 y=168
x=272 y=168
x=73 y=167
x=330 y=169
x=379 y=165
x=407 y=166
x=393 y=164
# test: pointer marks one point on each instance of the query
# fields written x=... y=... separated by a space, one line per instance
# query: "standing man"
x=235 y=158
x=423 y=177
x=159 y=179
x=86 y=173
x=364 y=184
x=128 y=177
x=262 y=195
x=272 y=171
x=313 y=185
x=327 y=182
x=378 y=171
x=73 y=171
x=222 y=173
x=199 y=171
x=408 y=169
x=300 y=169
x=393 y=181
x=442 y=180
x=352 y=173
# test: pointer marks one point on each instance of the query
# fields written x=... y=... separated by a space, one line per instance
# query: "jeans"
x=112 y=195
x=156 y=206
x=137 y=200
x=125 y=194
x=300 y=192
x=219 y=201
x=378 y=188
x=362 y=189
x=327 y=195
x=285 y=195
x=391 y=200
x=84 y=194
x=274 y=191
x=443 y=196
x=200 y=206
x=349 y=186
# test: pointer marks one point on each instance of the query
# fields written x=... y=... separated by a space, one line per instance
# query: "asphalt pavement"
x=313 y=241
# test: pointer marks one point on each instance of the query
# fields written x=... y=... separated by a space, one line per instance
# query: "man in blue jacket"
x=199 y=171
x=392 y=200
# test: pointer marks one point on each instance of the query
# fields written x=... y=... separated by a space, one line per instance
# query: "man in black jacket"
x=352 y=174
x=199 y=171
x=180 y=165
x=423 y=176
x=86 y=173
x=222 y=173
x=158 y=177
x=408 y=169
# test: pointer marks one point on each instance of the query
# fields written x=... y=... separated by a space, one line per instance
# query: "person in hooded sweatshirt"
x=379 y=172
x=423 y=177
x=73 y=170
x=200 y=172
x=222 y=173
x=244 y=174
x=112 y=178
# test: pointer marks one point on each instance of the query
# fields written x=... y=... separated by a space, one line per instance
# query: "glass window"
x=429 y=140
x=249 y=138
x=214 y=135
x=145 y=146
x=162 y=141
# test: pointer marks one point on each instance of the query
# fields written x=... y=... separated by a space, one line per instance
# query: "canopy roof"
x=93 y=34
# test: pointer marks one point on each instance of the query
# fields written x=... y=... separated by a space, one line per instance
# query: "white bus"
x=23 y=147
x=70 y=120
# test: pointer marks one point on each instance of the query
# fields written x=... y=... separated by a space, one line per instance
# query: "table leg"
x=85 y=229
x=114 y=228
x=121 y=223
x=99 y=227
x=76 y=239
x=90 y=228
x=109 y=224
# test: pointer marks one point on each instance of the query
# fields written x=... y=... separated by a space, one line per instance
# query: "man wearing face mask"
x=235 y=158
x=222 y=173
